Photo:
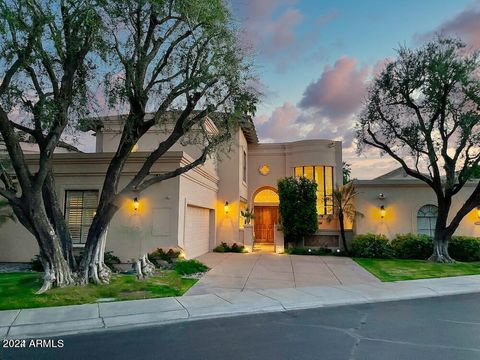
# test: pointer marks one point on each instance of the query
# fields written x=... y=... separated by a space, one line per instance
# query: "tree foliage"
x=173 y=64
x=423 y=111
x=298 y=208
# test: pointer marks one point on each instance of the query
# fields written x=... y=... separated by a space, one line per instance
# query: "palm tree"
x=343 y=198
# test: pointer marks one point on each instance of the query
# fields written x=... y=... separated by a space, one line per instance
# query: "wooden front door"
x=265 y=218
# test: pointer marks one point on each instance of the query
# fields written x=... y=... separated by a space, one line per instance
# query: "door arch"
x=265 y=203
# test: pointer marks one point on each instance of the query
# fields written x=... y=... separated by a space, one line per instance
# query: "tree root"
x=144 y=268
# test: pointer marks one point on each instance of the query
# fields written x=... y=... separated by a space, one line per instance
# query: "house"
x=195 y=211
x=396 y=203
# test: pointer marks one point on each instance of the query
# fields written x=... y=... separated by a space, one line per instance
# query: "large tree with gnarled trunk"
x=423 y=110
x=175 y=59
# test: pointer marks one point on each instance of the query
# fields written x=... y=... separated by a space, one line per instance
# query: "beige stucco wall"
x=282 y=158
x=402 y=201
x=160 y=214
x=230 y=188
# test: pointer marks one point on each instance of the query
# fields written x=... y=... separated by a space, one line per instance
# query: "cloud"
x=281 y=125
x=273 y=27
x=465 y=25
x=339 y=91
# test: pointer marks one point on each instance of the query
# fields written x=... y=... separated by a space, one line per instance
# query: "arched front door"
x=266 y=214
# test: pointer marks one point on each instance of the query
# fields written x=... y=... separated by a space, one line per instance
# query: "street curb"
x=212 y=306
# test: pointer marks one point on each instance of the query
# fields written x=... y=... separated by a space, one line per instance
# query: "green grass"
x=395 y=270
x=17 y=290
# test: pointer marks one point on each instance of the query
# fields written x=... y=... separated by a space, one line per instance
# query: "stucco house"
x=195 y=211
x=396 y=203
x=201 y=208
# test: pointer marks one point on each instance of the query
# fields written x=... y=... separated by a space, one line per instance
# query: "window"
x=426 y=220
x=244 y=164
x=80 y=207
x=323 y=176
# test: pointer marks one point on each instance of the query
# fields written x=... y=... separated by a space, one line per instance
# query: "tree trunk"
x=92 y=265
x=441 y=238
x=57 y=271
x=342 y=230
x=144 y=268
x=57 y=219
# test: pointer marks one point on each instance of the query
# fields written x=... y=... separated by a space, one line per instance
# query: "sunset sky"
x=315 y=58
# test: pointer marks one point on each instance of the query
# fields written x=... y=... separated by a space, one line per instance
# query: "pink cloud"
x=280 y=125
x=339 y=91
x=465 y=25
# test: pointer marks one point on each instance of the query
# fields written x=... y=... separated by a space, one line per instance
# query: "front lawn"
x=395 y=270
x=17 y=290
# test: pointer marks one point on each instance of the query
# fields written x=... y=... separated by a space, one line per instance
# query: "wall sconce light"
x=136 y=204
x=478 y=212
x=382 y=211
x=226 y=207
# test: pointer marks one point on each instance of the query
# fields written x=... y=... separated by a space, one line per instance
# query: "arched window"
x=266 y=196
x=426 y=219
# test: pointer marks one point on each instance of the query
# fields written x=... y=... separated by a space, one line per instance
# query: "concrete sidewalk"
x=103 y=316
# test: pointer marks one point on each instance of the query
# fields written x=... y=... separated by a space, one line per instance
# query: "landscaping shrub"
x=36 y=264
x=412 y=246
x=111 y=260
x=159 y=255
x=298 y=208
x=224 y=247
x=188 y=267
x=372 y=246
x=307 y=251
x=235 y=248
x=464 y=248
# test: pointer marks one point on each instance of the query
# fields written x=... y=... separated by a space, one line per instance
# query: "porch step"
x=263 y=247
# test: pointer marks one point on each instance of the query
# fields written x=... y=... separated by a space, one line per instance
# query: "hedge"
x=412 y=246
x=372 y=246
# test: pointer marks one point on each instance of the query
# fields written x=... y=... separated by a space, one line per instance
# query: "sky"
x=314 y=59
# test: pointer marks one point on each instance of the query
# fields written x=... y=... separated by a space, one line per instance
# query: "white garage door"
x=197 y=231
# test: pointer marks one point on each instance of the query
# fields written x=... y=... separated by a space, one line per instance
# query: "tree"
x=423 y=111
x=346 y=172
x=45 y=67
x=298 y=208
x=179 y=61
x=344 y=198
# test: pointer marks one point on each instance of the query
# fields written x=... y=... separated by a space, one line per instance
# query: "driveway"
x=253 y=271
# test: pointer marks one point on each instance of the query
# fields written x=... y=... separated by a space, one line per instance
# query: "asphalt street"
x=433 y=328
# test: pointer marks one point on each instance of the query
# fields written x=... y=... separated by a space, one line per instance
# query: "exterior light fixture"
x=226 y=207
x=136 y=204
x=382 y=211
x=478 y=212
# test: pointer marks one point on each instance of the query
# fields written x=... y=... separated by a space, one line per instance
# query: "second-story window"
x=323 y=176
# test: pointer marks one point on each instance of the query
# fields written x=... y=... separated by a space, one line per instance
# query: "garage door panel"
x=197 y=231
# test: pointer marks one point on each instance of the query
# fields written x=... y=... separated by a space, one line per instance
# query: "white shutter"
x=80 y=206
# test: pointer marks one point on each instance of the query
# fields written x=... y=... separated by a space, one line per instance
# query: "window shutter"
x=79 y=211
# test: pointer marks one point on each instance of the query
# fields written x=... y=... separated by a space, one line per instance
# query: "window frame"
x=327 y=199
x=426 y=210
x=65 y=207
x=244 y=166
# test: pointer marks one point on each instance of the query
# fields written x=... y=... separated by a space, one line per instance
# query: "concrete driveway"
x=239 y=272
